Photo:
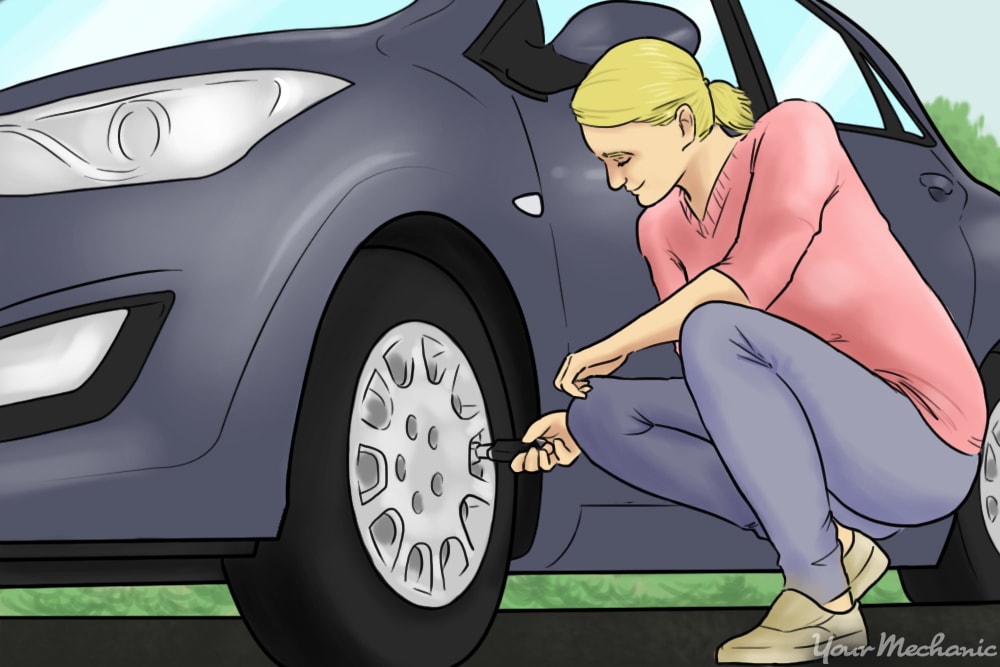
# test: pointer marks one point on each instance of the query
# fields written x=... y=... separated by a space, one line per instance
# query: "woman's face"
x=648 y=160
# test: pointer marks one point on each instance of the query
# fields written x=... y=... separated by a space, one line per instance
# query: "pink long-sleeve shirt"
x=790 y=221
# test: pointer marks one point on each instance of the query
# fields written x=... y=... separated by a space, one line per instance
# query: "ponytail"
x=732 y=107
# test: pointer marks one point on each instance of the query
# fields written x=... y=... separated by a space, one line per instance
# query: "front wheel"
x=395 y=543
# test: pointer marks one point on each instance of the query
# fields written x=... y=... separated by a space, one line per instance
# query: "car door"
x=803 y=52
x=605 y=283
x=605 y=280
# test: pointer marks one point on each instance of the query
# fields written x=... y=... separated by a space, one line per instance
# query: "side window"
x=712 y=54
x=906 y=120
x=807 y=59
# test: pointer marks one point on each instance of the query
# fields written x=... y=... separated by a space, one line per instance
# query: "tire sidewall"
x=345 y=609
x=981 y=552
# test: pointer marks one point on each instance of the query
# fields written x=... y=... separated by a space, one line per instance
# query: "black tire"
x=313 y=596
x=969 y=567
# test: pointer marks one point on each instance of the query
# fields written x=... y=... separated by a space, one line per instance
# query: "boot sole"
x=792 y=654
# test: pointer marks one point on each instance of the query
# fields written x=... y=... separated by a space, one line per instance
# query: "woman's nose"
x=615 y=181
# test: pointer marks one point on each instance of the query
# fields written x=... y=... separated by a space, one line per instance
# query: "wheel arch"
x=422 y=216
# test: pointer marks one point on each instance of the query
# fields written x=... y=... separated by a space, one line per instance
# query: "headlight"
x=187 y=127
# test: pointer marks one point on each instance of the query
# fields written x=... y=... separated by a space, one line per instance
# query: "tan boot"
x=796 y=629
x=864 y=564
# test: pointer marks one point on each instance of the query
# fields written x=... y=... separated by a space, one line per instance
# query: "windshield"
x=42 y=37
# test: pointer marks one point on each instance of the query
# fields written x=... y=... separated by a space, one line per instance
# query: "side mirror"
x=594 y=30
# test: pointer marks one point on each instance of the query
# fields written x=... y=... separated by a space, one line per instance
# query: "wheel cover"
x=989 y=480
x=424 y=507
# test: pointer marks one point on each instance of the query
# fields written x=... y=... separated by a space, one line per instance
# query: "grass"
x=201 y=600
x=524 y=591
x=978 y=152
x=695 y=589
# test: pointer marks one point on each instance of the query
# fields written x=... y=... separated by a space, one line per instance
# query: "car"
x=266 y=292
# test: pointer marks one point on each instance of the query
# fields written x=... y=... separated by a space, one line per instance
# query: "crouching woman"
x=827 y=397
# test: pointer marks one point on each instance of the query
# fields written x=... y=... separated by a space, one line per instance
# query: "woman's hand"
x=596 y=360
x=559 y=447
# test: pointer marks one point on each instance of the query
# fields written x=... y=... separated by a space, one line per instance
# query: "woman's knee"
x=715 y=334
x=606 y=415
x=711 y=328
x=708 y=318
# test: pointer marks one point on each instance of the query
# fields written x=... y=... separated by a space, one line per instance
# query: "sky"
x=942 y=46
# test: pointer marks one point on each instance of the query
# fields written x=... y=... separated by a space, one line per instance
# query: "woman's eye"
x=622 y=164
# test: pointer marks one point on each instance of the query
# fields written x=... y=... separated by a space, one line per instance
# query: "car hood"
x=425 y=25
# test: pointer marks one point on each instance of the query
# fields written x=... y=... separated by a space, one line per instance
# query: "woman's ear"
x=685 y=121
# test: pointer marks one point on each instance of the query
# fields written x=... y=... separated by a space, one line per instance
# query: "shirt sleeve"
x=795 y=172
x=667 y=273
x=665 y=267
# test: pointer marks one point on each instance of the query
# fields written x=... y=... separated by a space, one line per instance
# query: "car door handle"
x=938 y=185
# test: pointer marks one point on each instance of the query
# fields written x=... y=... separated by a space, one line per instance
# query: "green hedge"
x=977 y=151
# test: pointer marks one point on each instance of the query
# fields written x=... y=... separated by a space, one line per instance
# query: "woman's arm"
x=662 y=324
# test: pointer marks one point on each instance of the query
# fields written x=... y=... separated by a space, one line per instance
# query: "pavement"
x=587 y=638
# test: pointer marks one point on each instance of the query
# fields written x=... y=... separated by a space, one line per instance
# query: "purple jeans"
x=774 y=430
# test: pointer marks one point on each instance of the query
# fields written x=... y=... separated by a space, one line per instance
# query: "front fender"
x=258 y=433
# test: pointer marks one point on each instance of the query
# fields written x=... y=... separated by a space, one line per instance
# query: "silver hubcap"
x=423 y=507
x=989 y=480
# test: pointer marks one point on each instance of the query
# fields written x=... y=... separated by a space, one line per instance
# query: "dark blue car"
x=264 y=294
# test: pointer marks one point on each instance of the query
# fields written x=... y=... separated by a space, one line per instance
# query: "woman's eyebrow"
x=615 y=154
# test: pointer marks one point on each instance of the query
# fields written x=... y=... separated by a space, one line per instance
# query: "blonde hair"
x=647 y=80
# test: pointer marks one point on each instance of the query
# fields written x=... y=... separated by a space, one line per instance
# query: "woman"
x=827 y=397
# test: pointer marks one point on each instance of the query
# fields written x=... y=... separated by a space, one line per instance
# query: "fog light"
x=55 y=358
